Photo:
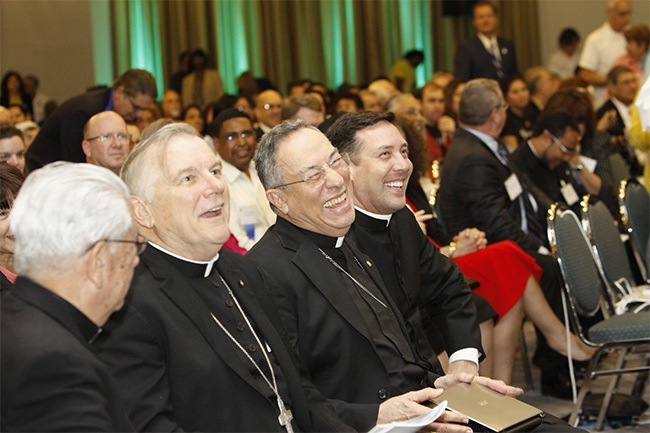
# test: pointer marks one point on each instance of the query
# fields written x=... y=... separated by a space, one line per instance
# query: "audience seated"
x=370 y=101
x=12 y=91
x=441 y=78
x=170 y=106
x=541 y=85
x=452 y=98
x=637 y=48
x=38 y=98
x=348 y=102
x=30 y=130
x=384 y=90
x=480 y=189
x=19 y=113
x=268 y=111
x=439 y=127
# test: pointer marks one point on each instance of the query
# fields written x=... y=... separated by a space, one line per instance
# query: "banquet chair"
x=635 y=215
x=627 y=335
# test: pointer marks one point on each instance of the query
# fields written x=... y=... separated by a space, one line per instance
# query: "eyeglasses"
x=120 y=136
x=140 y=243
x=267 y=107
x=248 y=133
x=565 y=150
x=315 y=176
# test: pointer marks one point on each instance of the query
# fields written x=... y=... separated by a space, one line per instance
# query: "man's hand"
x=422 y=218
x=408 y=406
x=497 y=385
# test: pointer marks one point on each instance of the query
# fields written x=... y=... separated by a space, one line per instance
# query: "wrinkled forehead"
x=304 y=149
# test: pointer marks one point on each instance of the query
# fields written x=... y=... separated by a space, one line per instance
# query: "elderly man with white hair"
x=200 y=345
x=76 y=248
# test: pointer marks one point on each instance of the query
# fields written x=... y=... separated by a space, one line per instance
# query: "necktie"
x=496 y=59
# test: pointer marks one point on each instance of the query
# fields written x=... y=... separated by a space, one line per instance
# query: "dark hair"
x=449 y=97
x=505 y=85
x=4 y=92
x=415 y=55
x=418 y=151
x=343 y=133
x=229 y=113
x=484 y=3
x=10 y=131
x=577 y=102
x=136 y=81
x=352 y=96
x=639 y=34
x=11 y=179
x=556 y=122
x=23 y=107
x=616 y=71
x=568 y=36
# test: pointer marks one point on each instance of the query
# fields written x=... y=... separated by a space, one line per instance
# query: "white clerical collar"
x=376 y=215
x=208 y=265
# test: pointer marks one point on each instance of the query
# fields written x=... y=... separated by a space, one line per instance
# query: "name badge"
x=513 y=187
x=569 y=193
x=247 y=215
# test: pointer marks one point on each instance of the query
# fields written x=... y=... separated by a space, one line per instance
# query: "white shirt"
x=623 y=110
x=490 y=44
x=602 y=47
x=248 y=204
x=562 y=65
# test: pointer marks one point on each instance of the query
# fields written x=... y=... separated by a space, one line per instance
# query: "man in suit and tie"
x=360 y=351
x=622 y=86
x=479 y=188
x=76 y=248
x=199 y=345
x=485 y=55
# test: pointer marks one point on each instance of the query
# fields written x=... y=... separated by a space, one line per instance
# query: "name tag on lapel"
x=570 y=194
x=513 y=187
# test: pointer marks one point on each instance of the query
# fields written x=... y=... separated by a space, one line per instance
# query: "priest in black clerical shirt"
x=199 y=345
x=341 y=319
x=388 y=231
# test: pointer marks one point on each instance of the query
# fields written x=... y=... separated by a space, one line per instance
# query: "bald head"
x=106 y=140
x=268 y=108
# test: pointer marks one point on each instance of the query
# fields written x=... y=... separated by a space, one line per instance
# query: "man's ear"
x=141 y=212
x=278 y=199
x=94 y=263
x=85 y=145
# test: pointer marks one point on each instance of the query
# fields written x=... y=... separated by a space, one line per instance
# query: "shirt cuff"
x=469 y=354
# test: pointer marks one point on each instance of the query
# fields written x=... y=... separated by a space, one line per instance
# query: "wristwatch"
x=579 y=168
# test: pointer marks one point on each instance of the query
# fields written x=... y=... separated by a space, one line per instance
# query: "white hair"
x=62 y=210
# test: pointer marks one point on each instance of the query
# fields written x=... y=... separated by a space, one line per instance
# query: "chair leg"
x=574 y=418
x=525 y=360
x=613 y=384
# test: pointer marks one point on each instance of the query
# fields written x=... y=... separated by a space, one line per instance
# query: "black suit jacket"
x=52 y=379
x=177 y=370
x=472 y=194
x=324 y=324
x=418 y=276
x=474 y=61
x=61 y=135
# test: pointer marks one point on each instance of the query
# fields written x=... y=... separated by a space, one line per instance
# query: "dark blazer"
x=422 y=278
x=324 y=324
x=52 y=379
x=474 y=61
x=472 y=194
x=61 y=135
x=177 y=370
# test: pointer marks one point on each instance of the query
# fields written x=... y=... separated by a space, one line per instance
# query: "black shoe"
x=556 y=383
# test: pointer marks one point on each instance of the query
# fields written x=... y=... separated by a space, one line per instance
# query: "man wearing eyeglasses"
x=551 y=159
x=341 y=319
x=268 y=111
x=61 y=135
x=235 y=139
x=76 y=250
x=106 y=141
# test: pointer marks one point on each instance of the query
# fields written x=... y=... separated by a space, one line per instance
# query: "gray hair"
x=62 y=210
x=478 y=99
x=137 y=173
x=266 y=155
